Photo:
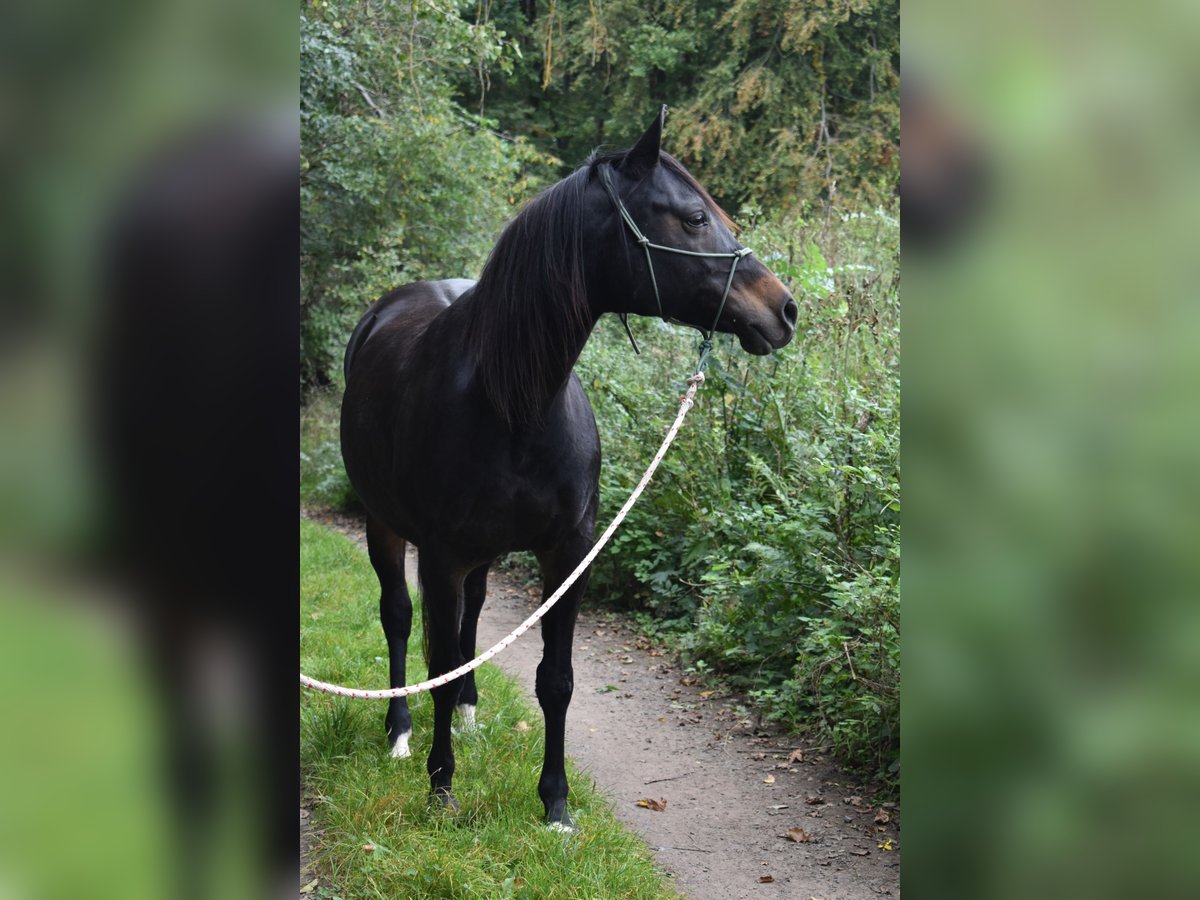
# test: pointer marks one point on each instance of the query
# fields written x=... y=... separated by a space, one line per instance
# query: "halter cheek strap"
x=735 y=255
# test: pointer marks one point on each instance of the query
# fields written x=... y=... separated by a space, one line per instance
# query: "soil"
x=733 y=787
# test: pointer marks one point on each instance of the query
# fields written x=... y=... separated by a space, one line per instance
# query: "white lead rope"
x=685 y=404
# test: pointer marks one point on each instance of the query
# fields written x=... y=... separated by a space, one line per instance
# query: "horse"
x=465 y=431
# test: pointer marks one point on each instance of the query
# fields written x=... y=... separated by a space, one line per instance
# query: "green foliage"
x=397 y=181
x=779 y=98
x=769 y=540
x=323 y=479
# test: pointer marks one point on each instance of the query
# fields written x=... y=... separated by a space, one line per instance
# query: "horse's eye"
x=697 y=220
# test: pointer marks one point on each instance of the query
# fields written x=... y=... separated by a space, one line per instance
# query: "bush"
x=323 y=479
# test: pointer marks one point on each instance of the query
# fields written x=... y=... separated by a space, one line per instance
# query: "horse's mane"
x=533 y=306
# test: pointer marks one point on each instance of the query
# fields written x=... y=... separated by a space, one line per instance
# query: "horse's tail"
x=426 y=631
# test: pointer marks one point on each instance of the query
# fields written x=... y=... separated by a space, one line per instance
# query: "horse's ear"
x=644 y=155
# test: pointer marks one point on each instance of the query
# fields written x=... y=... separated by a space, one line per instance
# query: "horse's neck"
x=553 y=367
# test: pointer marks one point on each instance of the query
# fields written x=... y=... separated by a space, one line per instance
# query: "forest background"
x=768 y=552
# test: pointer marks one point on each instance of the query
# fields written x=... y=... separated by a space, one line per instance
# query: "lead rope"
x=685 y=404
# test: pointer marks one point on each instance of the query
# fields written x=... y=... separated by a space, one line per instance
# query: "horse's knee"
x=396 y=615
x=554 y=686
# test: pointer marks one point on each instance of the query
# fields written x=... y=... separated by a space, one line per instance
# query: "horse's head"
x=692 y=251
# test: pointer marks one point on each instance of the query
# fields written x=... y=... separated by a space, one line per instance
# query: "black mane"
x=533 y=306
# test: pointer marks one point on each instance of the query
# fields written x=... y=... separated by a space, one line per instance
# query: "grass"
x=360 y=797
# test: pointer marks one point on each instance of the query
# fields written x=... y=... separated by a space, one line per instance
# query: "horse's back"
x=407 y=310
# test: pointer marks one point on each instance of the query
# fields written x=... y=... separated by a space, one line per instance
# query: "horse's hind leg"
x=386 y=550
x=555 y=675
x=474 y=592
x=441 y=595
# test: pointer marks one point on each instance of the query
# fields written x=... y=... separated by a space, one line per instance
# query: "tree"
x=397 y=181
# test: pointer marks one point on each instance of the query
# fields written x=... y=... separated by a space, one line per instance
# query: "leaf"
x=798 y=834
x=860 y=852
x=882 y=818
x=886 y=845
x=650 y=803
x=770 y=779
x=607 y=689
x=796 y=756
x=369 y=848
x=310 y=887
x=522 y=725
x=765 y=879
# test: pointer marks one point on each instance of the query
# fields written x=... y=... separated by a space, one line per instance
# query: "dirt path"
x=641 y=729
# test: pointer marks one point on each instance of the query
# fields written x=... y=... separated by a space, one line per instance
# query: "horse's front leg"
x=555 y=675
x=441 y=592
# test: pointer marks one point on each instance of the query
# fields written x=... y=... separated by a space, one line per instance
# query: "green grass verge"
x=496 y=846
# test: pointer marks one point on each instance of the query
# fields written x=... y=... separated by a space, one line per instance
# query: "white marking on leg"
x=400 y=747
x=466 y=712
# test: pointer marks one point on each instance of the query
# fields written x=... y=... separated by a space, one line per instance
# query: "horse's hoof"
x=466 y=713
x=557 y=818
x=400 y=746
x=442 y=798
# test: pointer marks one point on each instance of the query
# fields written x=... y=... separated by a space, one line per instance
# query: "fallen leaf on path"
x=853 y=801
x=815 y=800
x=607 y=689
x=797 y=834
x=796 y=756
x=860 y=852
x=310 y=887
x=765 y=879
x=770 y=779
x=778 y=806
x=886 y=845
x=651 y=803
x=882 y=818
x=758 y=756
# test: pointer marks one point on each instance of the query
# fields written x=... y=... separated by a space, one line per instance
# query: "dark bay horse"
x=465 y=432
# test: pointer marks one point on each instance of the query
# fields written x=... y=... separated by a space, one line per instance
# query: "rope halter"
x=735 y=255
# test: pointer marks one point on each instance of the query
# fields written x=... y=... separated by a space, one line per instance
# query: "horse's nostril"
x=790 y=312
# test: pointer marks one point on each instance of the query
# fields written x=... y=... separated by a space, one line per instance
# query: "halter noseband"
x=736 y=255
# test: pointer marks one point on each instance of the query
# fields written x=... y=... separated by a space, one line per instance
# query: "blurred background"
x=1051 y=658
x=148 y=247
